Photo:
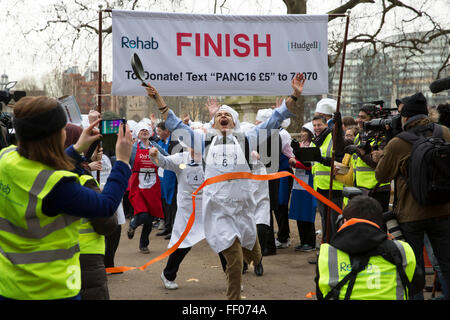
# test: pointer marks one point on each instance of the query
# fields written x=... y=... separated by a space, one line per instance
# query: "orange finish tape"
x=220 y=178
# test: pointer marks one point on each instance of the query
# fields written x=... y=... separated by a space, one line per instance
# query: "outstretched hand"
x=297 y=84
x=87 y=137
x=212 y=106
x=151 y=91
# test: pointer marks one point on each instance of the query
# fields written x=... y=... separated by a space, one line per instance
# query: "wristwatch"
x=293 y=97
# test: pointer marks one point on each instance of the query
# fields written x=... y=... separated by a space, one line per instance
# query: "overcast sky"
x=35 y=55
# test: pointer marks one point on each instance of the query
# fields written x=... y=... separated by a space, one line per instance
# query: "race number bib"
x=195 y=178
x=225 y=160
x=147 y=178
x=302 y=175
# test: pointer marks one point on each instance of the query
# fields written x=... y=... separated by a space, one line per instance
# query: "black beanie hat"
x=41 y=125
x=414 y=105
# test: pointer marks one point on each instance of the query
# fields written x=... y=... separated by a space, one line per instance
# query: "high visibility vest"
x=321 y=172
x=90 y=241
x=363 y=174
x=378 y=281
x=39 y=255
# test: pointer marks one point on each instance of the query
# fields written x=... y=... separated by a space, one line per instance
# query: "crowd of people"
x=60 y=227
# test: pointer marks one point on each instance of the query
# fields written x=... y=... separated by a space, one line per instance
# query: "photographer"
x=363 y=164
x=42 y=202
x=416 y=219
x=361 y=262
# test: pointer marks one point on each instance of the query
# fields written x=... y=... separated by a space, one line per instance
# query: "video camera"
x=383 y=127
x=6 y=96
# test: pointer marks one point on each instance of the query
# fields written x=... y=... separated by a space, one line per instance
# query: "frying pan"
x=138 y=69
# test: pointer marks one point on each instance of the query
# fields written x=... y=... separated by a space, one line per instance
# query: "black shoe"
x=259 y=270
x=130 y=232
x=144 y=250
x=245 y=268
x=167 y=237
x=165 y=232
x=267 y=252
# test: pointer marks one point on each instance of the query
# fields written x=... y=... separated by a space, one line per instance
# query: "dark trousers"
x=173 y=263
x=127 y=207
x=383 y=198
x=307 y=233
x=169 y=213
x=438 y=232
x=146 y=220
x=337 y=198
x=269 y=245
x=282 y=215
x=111 y=244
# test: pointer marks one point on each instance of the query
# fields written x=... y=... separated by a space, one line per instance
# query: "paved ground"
x=287 y=275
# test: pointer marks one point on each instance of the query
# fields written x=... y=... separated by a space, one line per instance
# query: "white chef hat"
x=246 y=126
x=263 y=114
x=309 y=126
x=326 y=106
x=233 y=113
x=142 y=126
x=286 y=123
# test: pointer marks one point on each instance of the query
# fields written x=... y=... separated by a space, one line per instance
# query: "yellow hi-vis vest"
x=378 y=281
x=320 y=172
x=90 y=241
x=363 y=174
x=39 y=255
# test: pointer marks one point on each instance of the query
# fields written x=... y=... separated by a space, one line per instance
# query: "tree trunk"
x=297 y=7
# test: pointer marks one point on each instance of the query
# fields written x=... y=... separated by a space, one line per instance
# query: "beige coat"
x=392 y=165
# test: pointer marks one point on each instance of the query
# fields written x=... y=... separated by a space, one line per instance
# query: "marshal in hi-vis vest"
x=363 y=174
x=90 y=241
x=379 y=280
x=321 y=172
x=39 y=255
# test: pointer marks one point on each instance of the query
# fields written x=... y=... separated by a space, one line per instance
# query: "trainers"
x=144 y=250
x=130 y=232
x=170 y=285
x=282 y=245
x=304 y=248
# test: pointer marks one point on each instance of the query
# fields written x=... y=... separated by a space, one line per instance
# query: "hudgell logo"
x=136 y=43
x=304 y=46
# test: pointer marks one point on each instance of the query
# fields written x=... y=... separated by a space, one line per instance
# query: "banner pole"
x=99 y=72
x=341 y=75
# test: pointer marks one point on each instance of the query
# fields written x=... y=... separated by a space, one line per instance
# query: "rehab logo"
x=5 y=188
x=304 y=46
x=137 y=43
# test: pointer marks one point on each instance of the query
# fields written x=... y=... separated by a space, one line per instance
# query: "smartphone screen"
x=110 y=126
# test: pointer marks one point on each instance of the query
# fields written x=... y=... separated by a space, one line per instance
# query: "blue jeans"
x=145 y=219
x=438 y=232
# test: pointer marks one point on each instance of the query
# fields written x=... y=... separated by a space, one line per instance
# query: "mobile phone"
x=111 y=126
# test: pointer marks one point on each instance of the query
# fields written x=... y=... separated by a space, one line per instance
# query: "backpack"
x=428 y=170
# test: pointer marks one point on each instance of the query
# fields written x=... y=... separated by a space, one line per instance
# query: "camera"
x=7 y=136
x=6 y=96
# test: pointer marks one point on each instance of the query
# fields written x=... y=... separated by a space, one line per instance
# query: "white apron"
x=261 y=194
x=189 y=176
x=228 y=206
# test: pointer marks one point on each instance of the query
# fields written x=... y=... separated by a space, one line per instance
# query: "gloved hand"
x=337 y=119
x=326 y=161
x=295 y=148
x=350 y=149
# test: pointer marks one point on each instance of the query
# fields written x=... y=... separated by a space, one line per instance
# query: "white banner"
x=219 y=55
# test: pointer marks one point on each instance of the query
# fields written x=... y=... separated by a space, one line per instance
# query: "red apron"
x=144 y=185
